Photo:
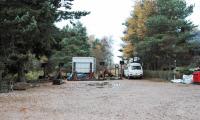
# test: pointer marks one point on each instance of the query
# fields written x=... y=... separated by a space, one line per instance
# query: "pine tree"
x=168 y=33
x=74 y=43
x=27 y=27
x=136 y=28
x=159 y=32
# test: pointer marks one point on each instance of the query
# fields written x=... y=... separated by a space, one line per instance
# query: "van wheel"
x=129 y=77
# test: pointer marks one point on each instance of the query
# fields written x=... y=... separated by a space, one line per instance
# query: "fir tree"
x=27 y=27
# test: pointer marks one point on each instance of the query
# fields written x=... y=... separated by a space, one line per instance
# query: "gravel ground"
x=105 y=100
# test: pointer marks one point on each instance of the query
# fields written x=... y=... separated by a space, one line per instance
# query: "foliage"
x=73 y=44
x=101 y=50
x=27 y=27
x=185 y=70
x=166 y=36
x=136 y=28
x=128 y=49
x=106 y=49
x=33 y=75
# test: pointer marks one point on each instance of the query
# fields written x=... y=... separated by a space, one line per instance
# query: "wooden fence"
x=165 y=75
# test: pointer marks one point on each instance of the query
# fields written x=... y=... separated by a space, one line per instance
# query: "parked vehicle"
x=133 y=70
x=79 y=76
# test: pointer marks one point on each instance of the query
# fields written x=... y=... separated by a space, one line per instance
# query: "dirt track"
x=112 y=100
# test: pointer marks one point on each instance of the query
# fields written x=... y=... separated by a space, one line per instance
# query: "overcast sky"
x=107 y=16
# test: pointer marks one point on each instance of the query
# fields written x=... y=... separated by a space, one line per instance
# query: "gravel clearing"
x=103 y=100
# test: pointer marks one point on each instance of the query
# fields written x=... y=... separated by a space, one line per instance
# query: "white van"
x=133 y=70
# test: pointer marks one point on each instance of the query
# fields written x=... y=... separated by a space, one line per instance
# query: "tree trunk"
x=21 y=74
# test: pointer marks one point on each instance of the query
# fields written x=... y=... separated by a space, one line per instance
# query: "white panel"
x=83 y=64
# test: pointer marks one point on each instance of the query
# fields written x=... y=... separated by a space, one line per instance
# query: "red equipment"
x=196 y=77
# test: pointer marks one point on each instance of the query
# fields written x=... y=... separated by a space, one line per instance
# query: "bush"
x=33 y=75
x=184 y=70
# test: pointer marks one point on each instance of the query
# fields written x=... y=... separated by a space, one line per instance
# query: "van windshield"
x=136 y=68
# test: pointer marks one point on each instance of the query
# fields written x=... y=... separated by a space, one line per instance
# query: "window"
x=136 y=68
